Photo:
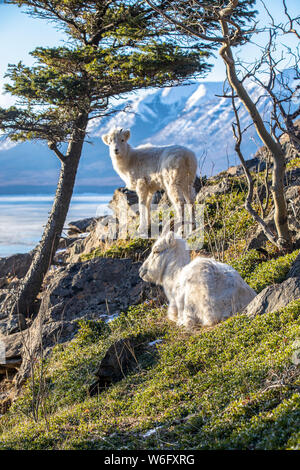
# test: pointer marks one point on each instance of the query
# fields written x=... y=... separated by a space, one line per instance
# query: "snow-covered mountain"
x=193 y=115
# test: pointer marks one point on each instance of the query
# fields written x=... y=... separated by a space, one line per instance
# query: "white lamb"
x=147 y=169
x=202 y=291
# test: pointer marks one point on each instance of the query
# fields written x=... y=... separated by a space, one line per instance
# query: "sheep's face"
x=117 y=142
x=153 y=268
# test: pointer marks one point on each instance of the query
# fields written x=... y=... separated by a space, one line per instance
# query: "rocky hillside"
x=116 y=374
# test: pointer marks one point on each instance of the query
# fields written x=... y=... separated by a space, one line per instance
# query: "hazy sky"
x=20 y=34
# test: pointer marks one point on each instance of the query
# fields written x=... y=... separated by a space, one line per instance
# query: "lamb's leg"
x=177 y=199
x=190 y=195
x=187 y=317
x=172 y=312
x=179 y=304
x=148 y=207
x=143 y=193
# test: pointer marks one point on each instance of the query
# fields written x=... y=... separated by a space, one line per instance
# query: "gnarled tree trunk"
x=23 y=301
x=280 y=215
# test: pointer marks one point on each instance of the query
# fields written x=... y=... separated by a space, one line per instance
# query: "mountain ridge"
x=196 y=115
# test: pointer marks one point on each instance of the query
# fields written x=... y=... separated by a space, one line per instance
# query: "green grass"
x=294 y=163
x=137 y=249
x=262 y=274
x=233 y=386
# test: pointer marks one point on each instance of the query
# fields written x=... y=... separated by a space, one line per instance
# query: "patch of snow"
x=152 y=343
x=172 y=95
x=151 y=431
x=196 y=97
x=83 y=235
x=111 y=317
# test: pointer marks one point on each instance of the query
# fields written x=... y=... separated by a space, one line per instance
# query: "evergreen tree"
x=113 y=47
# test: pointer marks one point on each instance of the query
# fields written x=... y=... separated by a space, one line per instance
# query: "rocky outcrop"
x=13 y=345
x=97 y=289
x=255 y=164
x=295 y=269
x=277 y=296
x=100 y=287
x=12 y=324
x=15 y=265
x=11 y=348
x=82 y=225
x=120 y=358
x=274 y=297
x=100 y=231
x=123 y=198
x=209 y=190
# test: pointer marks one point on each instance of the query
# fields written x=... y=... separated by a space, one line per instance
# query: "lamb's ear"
x=105 y=139
x=170 y=239
x=126 y=134
x=168 y=227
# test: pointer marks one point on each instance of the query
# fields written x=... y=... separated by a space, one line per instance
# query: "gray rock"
x=12 y=324
x=83 y=225
x=255 y=164
x=124 y=199
x=274 y=297
x=101 y=231
x=8 y=370
x=13 y=346
x=119 y=359
x=295 y=269
x=15 y=265
x=208 y=190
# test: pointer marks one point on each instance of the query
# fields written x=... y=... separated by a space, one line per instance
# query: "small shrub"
x=271 y=272
x=247 y=263
x=226 y=221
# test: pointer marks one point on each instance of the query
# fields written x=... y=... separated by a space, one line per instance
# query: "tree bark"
x=31 y=285
x=280 y=215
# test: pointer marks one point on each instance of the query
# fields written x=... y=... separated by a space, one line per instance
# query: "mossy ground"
x=136 y=249
x=233 y=386
x=294 y=163
x=260 y=274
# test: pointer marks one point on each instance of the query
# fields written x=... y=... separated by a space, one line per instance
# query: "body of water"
x=23 y=218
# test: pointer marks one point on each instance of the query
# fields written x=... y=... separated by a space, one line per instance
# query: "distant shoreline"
x=24 y=216
x=50 y=190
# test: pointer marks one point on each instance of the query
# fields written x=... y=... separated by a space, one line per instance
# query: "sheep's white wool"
x=202 y=291
x=147 y=169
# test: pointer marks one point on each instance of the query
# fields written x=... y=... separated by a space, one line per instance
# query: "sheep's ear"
x=105 y=139
x=170 y=239
x=167 y=227
x=126 y=134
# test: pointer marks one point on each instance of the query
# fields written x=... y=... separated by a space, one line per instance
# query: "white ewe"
x=147 y=169
x=202 y=291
